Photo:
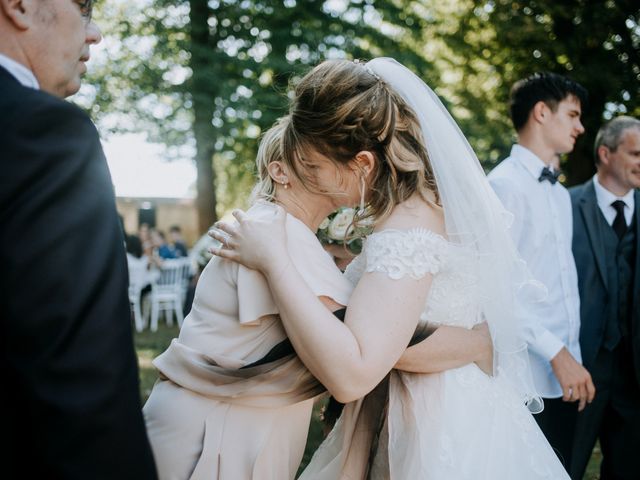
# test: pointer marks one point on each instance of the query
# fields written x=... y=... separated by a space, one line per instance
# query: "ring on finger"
x=221 y=238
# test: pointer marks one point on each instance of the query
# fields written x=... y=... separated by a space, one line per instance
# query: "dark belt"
x=285 y=347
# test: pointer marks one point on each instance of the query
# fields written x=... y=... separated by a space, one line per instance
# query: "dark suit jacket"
x=70 y=378
x=597 y=300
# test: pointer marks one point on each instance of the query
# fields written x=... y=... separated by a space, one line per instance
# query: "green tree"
x=494 y=43
x=207 y=76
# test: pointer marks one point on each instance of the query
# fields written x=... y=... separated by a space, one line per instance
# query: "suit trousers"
x=613 y=417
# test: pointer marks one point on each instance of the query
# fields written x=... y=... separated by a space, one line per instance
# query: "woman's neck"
x=307 y=210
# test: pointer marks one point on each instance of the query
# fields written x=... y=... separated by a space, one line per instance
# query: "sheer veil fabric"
x=475 y=218
x=458 y=424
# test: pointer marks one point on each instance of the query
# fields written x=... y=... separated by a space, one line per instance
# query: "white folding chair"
x=138 y=279
x=168 y=291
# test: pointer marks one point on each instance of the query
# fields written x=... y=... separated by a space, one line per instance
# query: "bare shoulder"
x=415 y=213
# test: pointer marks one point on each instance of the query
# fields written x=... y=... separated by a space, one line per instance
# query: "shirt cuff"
x=547 y=345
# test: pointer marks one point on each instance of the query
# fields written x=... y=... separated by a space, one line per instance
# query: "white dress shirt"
x=22 y=73
x=542 y=230
x=605 y=198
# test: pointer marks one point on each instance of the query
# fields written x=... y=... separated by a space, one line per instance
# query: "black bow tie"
x=550 y=175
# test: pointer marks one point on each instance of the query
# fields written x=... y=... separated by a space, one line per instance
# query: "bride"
x=440 y=252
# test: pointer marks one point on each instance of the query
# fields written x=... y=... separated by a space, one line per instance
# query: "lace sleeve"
x=398 y=253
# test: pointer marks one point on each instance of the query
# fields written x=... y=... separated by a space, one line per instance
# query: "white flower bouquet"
x=340 y=228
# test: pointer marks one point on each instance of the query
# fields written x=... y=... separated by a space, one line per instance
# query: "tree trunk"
x=205 y=185
x=203 y=94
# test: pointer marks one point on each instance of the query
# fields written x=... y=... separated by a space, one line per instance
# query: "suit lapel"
x=5 y=75
x=591 y=212
x=636 y=280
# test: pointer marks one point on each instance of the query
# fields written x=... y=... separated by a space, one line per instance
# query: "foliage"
x=493 y=43
x=207 y=77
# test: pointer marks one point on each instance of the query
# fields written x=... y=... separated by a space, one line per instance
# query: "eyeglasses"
x=86 y=9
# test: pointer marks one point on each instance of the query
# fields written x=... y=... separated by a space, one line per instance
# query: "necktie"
x=619 y=223
x=550 y=175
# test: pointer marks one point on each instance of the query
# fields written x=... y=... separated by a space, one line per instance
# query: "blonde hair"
x=341 y=108
x=269 y=151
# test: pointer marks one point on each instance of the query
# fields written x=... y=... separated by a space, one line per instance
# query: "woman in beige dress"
x=227 y=406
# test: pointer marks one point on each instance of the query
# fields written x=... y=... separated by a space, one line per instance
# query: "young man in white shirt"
x=605 y=246
x=545 y=110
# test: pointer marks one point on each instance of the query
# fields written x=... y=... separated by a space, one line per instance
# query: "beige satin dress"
x=209 y=418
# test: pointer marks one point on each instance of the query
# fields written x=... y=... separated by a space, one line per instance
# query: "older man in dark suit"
x=606 y=244
x=71 y=407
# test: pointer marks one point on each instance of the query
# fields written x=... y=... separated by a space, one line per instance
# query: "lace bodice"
x=454 y=297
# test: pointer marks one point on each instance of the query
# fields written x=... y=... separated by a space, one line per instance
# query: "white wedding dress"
x=459 y=424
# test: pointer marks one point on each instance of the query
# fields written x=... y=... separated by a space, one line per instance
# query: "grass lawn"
x=151 y=344
x=148 y=346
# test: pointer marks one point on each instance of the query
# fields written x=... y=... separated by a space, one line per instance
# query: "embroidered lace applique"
x=398 y=253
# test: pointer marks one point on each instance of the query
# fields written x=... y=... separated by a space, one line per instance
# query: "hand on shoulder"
x=257 y=243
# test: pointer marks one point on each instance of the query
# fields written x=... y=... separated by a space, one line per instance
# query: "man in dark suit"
x=71 y=405
x=606 y=247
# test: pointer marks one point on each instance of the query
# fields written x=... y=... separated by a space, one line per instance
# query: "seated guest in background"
x=141 y=273
x=160 y=246
x=605 y=246
x=177 y=242
x=133 y=245
x=144 y=233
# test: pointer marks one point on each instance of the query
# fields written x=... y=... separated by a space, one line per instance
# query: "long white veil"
x=474 y=218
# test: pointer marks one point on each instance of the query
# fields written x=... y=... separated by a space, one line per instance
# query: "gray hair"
x=610 y=134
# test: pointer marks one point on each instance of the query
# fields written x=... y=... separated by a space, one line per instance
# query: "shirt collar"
x=605 y=198
x=20 y=72
x=529 y=160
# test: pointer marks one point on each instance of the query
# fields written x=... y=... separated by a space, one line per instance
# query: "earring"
x=362 y=188
x=285 y=185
